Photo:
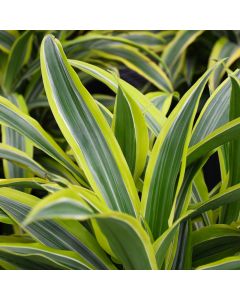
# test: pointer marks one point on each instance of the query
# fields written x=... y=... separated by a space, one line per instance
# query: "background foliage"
x=120 y=150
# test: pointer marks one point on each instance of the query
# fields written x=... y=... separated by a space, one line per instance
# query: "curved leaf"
x=214 y=242
x=223 y=48
x=18 y=57
x=65 y=235
x=154 y=118
x=36 y=256
x=86 y=130
x=127 y=239
x=14 y=118
x=229 y=263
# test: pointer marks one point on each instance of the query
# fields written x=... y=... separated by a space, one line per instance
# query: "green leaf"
x=13 y=138
x=34 y=182
x=161 y=245
x=7 y=38
x=200 y=194
x=14 y=118
x=36 y=256
x=106 y=113
x=214 y=242
x=127 y=239
x=223 y=48
x=223 y=134
x=183 y=254
x=65 y=235
x=20 y=158
x=138 y=62
x=218 y=137
x=154 y=118
x=161 y=100
x=145 y=38
x=168 y=159
x=215 y=112
x=177 y=46
x=131 y=132
x=78 y=46
x=18 y=57
x=229 y=263
x=231 y=212
x=229 y=195
x=63 y=204
x=86 y=130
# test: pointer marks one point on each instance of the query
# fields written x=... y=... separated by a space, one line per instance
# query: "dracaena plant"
x=127 y=191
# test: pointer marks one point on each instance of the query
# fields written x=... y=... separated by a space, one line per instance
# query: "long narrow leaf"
x=86 y=130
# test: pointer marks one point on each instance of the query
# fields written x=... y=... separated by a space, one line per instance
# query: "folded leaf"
x=131 y=132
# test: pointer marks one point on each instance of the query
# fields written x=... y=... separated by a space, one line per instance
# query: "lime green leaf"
x=56 y=168
x=86 y=130
x=184 y=195
x=21 y=159
x=78 y=46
